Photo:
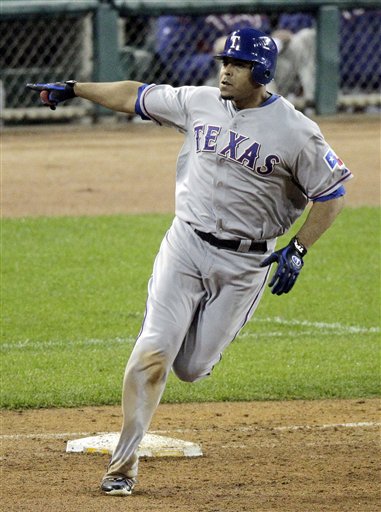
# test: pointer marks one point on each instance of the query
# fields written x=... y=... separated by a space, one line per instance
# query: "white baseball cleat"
x=117 y=485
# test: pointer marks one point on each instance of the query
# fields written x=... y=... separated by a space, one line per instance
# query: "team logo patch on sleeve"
x=333 y=161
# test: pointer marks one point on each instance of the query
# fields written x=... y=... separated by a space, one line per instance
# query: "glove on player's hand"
x=53 y=93
x=290 y=263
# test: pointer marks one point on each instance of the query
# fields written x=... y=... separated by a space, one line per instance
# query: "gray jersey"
x=243 y=174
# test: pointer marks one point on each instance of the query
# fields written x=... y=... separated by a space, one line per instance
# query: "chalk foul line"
x=64 y=435
x=335 y=327
x=320 y=328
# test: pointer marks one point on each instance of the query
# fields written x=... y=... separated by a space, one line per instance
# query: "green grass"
x=73 y=297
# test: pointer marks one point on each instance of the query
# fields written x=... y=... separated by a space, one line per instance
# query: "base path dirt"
x=259 y=456
x=264 y=456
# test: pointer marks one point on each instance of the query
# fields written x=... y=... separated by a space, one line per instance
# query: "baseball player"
x=249 y=166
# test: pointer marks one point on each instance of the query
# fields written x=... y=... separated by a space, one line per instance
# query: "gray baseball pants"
x=199 y=298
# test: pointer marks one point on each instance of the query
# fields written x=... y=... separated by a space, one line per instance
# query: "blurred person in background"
x=184 y=48
x=296 y=71
x=185 y=45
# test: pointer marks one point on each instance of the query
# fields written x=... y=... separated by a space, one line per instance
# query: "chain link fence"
x=42 y=49
x=360 y=51
x=179 y=50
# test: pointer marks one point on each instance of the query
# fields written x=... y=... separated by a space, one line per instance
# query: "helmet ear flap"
x=261 y=74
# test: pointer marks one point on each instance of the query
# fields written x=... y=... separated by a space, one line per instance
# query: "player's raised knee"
x=188 y=374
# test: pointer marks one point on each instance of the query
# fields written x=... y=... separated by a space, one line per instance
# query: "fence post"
x=106 y=56
x=327 y=60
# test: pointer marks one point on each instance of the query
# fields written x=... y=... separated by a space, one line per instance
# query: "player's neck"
x=255 y=100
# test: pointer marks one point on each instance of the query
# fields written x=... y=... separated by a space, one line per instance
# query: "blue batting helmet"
x=253 y=46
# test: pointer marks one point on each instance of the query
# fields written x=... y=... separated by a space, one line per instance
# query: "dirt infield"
x=261 y=456
x=255 y=459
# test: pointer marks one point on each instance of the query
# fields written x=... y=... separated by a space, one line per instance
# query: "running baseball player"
x=249 y=166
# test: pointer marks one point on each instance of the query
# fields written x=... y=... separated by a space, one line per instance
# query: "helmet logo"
x=235 y=42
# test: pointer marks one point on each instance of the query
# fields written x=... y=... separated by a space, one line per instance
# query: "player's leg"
x=175 y=290
x=235 y=287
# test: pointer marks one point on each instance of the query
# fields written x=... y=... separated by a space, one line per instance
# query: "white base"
x=152 y=445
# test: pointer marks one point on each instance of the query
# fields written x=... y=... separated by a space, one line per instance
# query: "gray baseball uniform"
x=242 y=176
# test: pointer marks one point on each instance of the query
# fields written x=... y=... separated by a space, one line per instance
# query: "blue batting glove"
x=290 y=263
x=56 y=92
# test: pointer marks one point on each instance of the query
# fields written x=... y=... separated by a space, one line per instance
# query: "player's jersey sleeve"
x=165 y=105
x=318 y=170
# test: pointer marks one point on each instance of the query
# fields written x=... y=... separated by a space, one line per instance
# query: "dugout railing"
x=173 y=41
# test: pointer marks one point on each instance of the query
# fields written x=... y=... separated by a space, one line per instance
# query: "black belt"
x=233 y=245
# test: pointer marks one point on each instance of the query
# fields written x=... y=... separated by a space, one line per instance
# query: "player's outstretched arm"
x=290 y=258
x=118 y=96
